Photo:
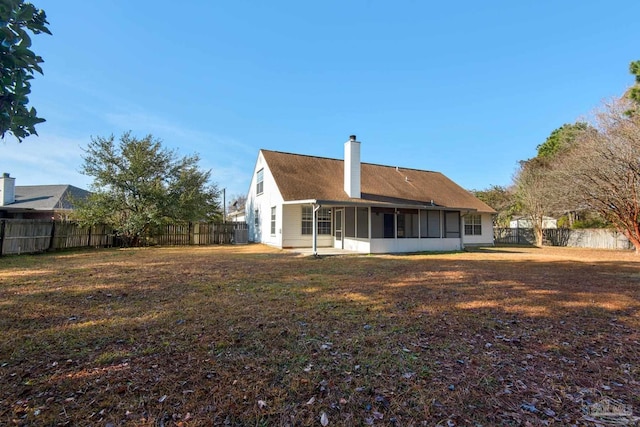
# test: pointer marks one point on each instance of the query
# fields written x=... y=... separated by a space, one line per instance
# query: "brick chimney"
x=7 y=189
x=352 y=167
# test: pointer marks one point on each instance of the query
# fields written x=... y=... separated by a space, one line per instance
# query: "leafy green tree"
x=634 y=91
x=538 y=191
x=601 y=172
x=18 y=64
x=500 y=198
x=139 y=185
x=561 y=139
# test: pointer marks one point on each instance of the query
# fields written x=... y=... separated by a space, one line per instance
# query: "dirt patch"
x=256 y=336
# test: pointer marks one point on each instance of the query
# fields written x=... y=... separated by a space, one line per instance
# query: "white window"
x=473 y=225
x=260 y=181
x=324 y=220
x=273 y=221
x=256 y=219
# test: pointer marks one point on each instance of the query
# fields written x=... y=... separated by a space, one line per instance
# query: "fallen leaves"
x=324 y=419
x=234 y=336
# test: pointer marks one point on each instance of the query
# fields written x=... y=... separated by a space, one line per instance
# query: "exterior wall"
x=262 y=203
x=288 y=231
x=236 y=217
x=486 y=238
x=413 y=245
x=357 y=245
x=292 y=236
x=547 y=223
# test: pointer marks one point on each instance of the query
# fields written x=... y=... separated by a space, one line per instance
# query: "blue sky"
x=466 y=88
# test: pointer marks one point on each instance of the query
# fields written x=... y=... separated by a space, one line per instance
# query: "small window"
x=260 y=181
x=324 y=220
x=273 y=221
x=307 y=220
x=256 y=219
x=473 y=225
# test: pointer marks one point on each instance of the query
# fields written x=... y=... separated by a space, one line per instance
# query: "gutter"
x=364 y=203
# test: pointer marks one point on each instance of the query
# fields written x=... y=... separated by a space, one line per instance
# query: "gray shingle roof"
x=46 y=197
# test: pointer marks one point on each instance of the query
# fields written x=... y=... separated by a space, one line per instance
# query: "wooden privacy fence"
x=25 y=236
x=595 y=238
x=18 y=236
x=514 y=236
x=598 y=238
x=200 y=233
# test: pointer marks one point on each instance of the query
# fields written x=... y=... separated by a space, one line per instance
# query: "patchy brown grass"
x=251 y=336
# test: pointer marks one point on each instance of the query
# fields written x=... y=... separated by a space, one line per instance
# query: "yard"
x=252 y=336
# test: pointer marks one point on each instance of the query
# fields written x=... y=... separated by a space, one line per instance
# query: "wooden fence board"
x=588 y=238
x=29 y=236
x=597 y=238
x=26 y=236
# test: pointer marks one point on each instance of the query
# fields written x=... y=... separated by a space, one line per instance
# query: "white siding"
x=357 y=245
x=414 y=245
x=486 y=238
x=262 y=203
x=547 y=222
x=292 y=236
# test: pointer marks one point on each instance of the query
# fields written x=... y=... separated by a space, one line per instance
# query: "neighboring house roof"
x=46 y=197
x=302 y=177
x=236 y=212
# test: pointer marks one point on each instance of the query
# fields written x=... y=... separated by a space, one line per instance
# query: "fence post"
x=53 y=235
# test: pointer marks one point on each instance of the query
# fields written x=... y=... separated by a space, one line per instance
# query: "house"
x=236 y=215
x=525 y=222
x=236 y=211
x=299 y=201
x=37 y=201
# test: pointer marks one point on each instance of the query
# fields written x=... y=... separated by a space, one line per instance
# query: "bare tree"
x=602 y=170
x=236 y=202
x=535 y=193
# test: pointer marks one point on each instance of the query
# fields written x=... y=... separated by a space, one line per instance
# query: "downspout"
x=316 y=208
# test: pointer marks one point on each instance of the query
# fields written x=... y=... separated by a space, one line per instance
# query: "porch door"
x=338 y=220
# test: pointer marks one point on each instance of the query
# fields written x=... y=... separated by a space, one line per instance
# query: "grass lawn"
x=252 y=336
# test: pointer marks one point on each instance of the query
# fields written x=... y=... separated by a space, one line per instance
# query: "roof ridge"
x=51 y=185
x=342 y=160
